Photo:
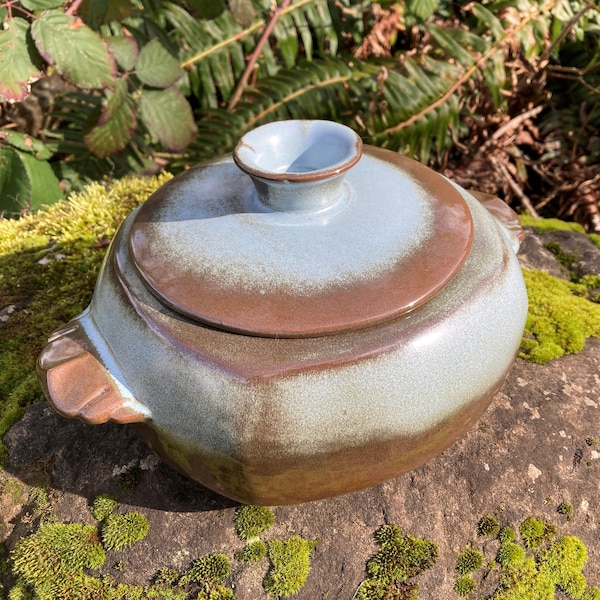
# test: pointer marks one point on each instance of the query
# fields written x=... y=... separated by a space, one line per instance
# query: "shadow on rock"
x=89 y=460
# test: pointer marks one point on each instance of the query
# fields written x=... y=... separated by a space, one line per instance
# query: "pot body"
x=267 y=420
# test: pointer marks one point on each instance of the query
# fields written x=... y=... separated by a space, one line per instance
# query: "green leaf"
x=99 y=12
x=157 y=108
x=156 y=66
x=40 y=4
x=124 y=49
x=288 y=44
x=17 y=69
x=45 y=187
x=243 y=12
x=489 y=19
x=79 y=54
x=206 y=9
x=15 y=186
x=423 y=9
x=23 y=141
x=446 y=39
x=25 y=182
x=115 y=125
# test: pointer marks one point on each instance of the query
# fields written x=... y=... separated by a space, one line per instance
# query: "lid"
x=301 y=234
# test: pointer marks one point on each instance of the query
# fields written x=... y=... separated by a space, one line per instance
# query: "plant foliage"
x=122 y=531
x=399 y=559
x=290 y=566
x=57 y=550
x=251 y=520
x=161 y=83
x=535 y=566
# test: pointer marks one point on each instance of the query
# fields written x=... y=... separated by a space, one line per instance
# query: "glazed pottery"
x=304 y=319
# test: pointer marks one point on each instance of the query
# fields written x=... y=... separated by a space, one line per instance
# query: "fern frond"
x=410 y=118
x=347 y=91
x=463 y=55
x=216 y=48
x=312 y=90
x=413 y=105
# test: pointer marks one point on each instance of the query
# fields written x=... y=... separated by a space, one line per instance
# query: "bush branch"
x=239 y=88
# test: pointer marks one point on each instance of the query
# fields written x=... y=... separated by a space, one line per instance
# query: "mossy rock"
x=560 y=318
x=290 y=566
x=122 y=531
x=49 y=262
x=251 y=521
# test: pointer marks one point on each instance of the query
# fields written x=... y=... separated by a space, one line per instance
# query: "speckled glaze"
x=297 y=323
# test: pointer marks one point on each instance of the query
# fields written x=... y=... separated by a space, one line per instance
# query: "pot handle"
x=506 y=217
x=78 y=385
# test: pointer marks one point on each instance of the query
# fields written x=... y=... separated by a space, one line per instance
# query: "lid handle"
x=297 y=165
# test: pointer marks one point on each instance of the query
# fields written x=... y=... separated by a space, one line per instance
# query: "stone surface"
x=534 y=254
x=536 y=446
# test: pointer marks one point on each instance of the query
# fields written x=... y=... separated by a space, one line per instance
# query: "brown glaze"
x=78 y=384
x=501 y=211
x=263 y=477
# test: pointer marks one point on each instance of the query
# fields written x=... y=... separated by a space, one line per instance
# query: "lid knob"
x=298 y=165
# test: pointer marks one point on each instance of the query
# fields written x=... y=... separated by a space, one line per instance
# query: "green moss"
x=468 y=561
x=252 y=552
x=166 y=576
x=218 y=593
x=20 y=591
x=560 y=318
x=464 y=585
x=13 y=490
x=130 y=479
x=570 y=261
x=75 y=587
x=166 y=594
x=535 y=531
x=52 y=564
x=510 y=555
x=592 y=283
x=562 y=315
x=566 y=556
x=250 y=521
x=565 y=508
x=210 y=572
x=210 y=569
x=538 y=577
x=506 y=534
x=122 y=531
x=537 y=567
x=545 y=225
x=567 y=259
x=290 y=566
x=591 y=594
x=39 y=502
x=57 y=550
x=69 y=238
x=400 y=558
x=488 y=525
x=103 y=506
